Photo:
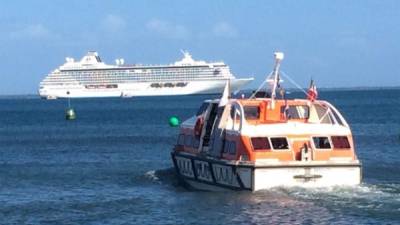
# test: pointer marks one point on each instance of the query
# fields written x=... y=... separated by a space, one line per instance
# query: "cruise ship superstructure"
x=90 y=77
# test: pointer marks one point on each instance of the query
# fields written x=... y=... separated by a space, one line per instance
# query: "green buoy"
x=70 y=113
x=173 y=121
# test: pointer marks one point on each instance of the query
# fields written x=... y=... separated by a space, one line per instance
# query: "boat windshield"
x=296 y=111
x=251 y=112
x=321 y=113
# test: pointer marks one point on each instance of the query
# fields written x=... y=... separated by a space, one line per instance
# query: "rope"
x=293 y=82
x=262 y=84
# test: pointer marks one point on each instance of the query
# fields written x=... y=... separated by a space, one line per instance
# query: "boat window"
x=260 y=143
x=322 y=142
x=226 y=146
x=323 y=114
x=233 y=112
x=230 y=147
x=340 y=142
x=188 y=140
x=279 y=143
x=196 y=143
x=337 y=117
x=202 y=108
x=181 y=139
x=296 y=111
x=251 y=112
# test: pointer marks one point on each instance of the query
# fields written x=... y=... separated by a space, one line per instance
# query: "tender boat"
x=266 y=141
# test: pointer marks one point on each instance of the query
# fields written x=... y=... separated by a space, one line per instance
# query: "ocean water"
x=112 y=166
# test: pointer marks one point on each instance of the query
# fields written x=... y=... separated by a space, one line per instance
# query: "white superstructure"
x=90 y=77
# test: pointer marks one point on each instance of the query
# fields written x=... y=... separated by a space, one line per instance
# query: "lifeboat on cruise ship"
x=266 y=141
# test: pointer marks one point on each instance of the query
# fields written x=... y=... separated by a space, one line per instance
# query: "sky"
x=338 y=43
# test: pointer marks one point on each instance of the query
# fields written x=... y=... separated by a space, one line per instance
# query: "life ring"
x=198 y=126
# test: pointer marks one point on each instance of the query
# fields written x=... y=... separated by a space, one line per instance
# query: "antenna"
x=278 y=58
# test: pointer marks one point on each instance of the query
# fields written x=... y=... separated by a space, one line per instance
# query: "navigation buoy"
x=70 y=114
x=173 y=121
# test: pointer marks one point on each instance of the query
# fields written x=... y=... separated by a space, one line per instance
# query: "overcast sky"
x=339 y=43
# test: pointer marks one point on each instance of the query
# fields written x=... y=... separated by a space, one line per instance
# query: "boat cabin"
x=257 y=130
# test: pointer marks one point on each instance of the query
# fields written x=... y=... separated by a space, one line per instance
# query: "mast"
x=278 y=58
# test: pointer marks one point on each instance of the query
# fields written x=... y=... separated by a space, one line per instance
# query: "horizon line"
x=355 y=88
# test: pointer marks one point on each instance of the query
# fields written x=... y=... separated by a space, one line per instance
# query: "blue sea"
x=112 y=166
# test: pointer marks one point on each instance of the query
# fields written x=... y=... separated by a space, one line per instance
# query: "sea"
x=111 y=165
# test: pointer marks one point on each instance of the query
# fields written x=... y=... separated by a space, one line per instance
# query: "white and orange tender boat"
x=262 y=142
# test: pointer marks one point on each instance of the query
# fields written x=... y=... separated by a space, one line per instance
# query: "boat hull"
x=142 y=89
x=210 y=174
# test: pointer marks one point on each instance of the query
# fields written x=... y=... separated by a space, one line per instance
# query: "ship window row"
x=105 y=81
x=135 y=72
x=52 y=81
x=149 y=71
x=120 y=80
x=61 y=79
x=143 y=75
x=103 y=73
x=110 y=73
x=144 y=80
x=149 y=77
x=146 y=70
x=65 y=79
x=127 y=79
x=62 y=82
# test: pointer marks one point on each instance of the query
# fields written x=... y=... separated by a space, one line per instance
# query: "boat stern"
x=312 y=175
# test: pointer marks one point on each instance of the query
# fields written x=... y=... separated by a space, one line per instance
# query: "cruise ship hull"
x=142 y=89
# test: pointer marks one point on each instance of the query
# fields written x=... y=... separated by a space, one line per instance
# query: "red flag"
x=312 y=93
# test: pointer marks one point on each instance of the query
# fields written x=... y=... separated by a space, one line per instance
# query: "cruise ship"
x=91 y=77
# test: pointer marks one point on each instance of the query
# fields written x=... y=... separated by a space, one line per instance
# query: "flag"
x=312 y=93
x=225 y=96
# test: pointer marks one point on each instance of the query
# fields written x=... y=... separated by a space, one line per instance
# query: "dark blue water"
x=112 y=166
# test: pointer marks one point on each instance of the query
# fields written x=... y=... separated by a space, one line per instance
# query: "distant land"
x=360 y=88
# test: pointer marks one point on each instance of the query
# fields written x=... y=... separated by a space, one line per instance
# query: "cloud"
x=167 y=29
x=33 y=31
x=113 y=23
x=225 y=30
